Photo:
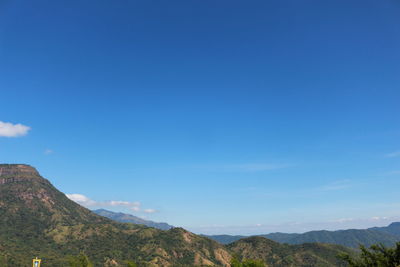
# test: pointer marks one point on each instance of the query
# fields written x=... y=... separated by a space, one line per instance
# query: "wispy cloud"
x=253 y=167
x=8 y=129
x=393 y=154
x=343 y=220
x=242 y=167
x=149 y=211
x=48 y=151
x=337 y=185
x=372 y=220
x=82 y=200
x=87 y=202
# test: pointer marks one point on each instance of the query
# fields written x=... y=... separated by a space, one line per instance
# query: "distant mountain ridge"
x=129 y=218
x=387 y=235
x=392 y=229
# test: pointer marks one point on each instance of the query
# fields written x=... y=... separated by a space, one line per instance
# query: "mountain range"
x=388 y=236
x=39 y=220
x=129 y=218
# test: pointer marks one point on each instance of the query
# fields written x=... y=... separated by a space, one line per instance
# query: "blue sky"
x=220 y=116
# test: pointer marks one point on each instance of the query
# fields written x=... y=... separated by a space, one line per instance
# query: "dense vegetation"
x=235 y=262
x=375 y=256
x=283 y=255
x=80 y=261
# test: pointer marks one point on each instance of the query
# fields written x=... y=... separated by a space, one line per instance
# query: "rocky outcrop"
x=14 y=173
x=17 y=171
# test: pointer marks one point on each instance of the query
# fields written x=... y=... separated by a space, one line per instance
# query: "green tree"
x=80 y=260
x=375 y=256
x=235 y=262
x=131 y=264
x=3 y=260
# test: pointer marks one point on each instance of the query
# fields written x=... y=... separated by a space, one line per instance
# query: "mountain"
x=350 y=238
x=393 y=229
x=283 y=255
x=39 y=220
x=128 y=218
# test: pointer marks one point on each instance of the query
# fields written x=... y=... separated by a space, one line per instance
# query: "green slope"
x=283 y=255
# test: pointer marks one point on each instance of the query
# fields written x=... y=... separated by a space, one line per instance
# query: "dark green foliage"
x=80 y=260
x=235 y=262
x=131 y=264
x=375 y=256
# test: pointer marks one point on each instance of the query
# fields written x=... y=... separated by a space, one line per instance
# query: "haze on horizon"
x=222 y=117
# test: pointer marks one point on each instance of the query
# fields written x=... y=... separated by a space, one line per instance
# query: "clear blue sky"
x=220 y=116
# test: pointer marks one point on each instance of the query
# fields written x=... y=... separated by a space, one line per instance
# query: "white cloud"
x=82 y=200
x=377 y=218
x=87 y=202
x=393 y=154
x=135 y=208
x=118 y=203
x=8 y=129
x=149 y=211
x=343 y=220
x=48 y=152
